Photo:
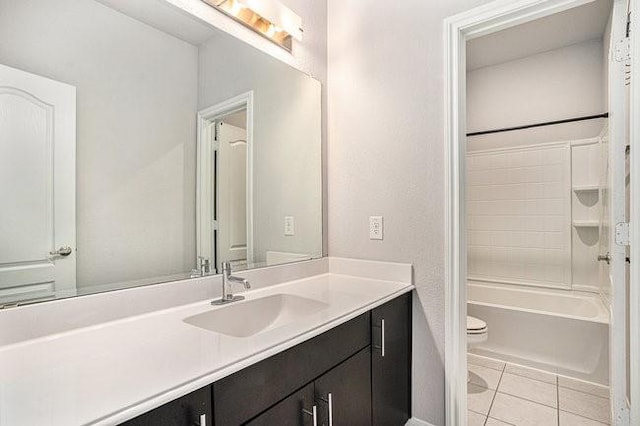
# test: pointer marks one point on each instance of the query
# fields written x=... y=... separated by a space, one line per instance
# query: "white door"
x=37 y=186
x=614 y=195
x=231 y=203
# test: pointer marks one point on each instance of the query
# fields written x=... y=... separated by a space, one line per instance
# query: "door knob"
x=62 y=251
x=604 y=258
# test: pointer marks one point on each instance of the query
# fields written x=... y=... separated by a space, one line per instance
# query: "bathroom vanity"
x=334 y=334
x=357 y=373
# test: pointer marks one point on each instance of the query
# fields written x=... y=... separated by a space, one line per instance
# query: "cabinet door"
x=343 y=394
x=194 y=409
x=391 y=362
x=296 y=410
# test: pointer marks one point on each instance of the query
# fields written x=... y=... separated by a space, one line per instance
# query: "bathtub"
x=560 y=332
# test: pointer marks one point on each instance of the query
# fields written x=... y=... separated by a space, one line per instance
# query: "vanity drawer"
x=247 y=393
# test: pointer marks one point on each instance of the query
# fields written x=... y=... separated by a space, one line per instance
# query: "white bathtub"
x=564 y=333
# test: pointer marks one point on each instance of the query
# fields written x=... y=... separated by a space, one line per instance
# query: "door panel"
x=615 y=199
x=37 y=186
x=344 y=393
x=232 y=196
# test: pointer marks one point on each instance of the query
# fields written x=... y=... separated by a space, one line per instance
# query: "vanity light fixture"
x=269 y=18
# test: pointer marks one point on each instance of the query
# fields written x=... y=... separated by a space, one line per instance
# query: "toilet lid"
x=475 y=325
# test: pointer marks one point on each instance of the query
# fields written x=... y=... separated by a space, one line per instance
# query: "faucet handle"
x=226 y=267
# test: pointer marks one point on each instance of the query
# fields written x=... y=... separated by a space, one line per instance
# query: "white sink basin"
x=250 y=317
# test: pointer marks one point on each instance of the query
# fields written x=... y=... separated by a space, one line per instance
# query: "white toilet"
x=477 y=331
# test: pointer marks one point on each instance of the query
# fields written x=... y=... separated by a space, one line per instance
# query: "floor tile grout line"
x=495 y=394
x=581 y=391
x=502 y=421
x=529 y=400
x=584 y=417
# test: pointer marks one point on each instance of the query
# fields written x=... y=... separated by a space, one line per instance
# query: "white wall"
x=286 y=143
x=558 y=84
x=136 y=104
x=386 y=156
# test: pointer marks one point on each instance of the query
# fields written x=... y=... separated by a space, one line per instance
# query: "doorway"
x=558 y=279
x=224 y=199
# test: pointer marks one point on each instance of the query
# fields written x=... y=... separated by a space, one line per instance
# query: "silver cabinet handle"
x=62 y=251
x=382 y=339
x=313 y=413
x=203 y=420
x=329 y=401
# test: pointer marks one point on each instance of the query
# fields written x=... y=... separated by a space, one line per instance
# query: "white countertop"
x=112 y=372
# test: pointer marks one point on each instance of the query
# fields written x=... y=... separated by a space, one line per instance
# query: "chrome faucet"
x=227 y=280
x=203 y=268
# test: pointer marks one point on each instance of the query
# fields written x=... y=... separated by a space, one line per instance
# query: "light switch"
x=289 y=226
x=375 y=227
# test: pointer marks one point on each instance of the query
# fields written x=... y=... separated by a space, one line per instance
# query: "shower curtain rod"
x=547 y=123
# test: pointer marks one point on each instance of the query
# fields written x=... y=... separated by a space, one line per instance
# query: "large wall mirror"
x=139 y=145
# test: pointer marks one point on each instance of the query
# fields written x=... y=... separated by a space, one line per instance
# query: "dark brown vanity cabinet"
x=295 y=410
x=194 y=409
x=391 y=362
x=357 y=373
x=343 y=395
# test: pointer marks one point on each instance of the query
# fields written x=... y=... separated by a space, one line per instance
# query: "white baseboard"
x=414 y=421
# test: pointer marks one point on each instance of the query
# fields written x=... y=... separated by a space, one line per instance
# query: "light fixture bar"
x=269 y=18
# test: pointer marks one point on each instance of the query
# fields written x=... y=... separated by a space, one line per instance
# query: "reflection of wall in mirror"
x=286 y=143
x=137 y=98
x=136 y=102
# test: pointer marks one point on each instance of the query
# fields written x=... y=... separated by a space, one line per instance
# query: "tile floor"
x=501 y=393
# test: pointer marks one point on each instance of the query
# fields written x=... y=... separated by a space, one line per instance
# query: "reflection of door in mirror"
x=37 y=187
x=224 y=202
x=231 y=195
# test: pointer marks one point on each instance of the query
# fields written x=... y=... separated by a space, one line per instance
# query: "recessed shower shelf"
x=586 y=224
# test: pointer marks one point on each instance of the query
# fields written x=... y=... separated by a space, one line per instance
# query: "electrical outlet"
x=289 y=226
x=376 y=227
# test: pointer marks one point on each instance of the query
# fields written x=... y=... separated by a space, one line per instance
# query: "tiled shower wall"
x=519 y=212
x=522 y=204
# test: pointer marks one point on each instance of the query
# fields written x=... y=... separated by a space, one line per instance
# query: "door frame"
x=492 y=17
x=634 y=271
x=206 y=119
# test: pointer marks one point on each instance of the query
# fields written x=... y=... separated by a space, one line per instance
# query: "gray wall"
x=136 y=103
x=386 y=157
x=554 y=85
x=286 y=146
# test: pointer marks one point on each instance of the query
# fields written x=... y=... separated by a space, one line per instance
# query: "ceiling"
x=572 y=26
x=165 y=17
